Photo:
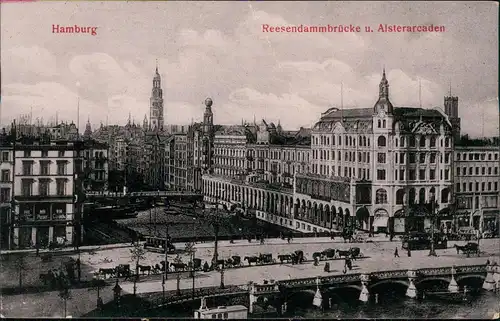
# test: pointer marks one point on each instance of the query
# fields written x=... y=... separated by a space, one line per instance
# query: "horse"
x=298 y=257
x=329 y=253
x=342 y=253
x=178 y=266
x=468 y=248
x=251 y=259
x=318 y=255
x=355 y=252
x=145 y=268
x=284 y=257
x=107 y=271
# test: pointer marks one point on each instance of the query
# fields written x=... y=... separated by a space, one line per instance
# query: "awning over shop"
x=380 y=221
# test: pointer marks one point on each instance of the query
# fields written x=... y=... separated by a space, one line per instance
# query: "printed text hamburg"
x=351 y=28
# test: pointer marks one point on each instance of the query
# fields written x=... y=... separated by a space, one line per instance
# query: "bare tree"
x=64 y=292
x=21 y=266
x=191 y=250
x=137 y=253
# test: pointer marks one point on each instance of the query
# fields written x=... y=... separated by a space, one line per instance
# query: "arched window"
x=445 y=193
x=379 y=123
x=432 y=142
x=411 y=197
x=381 y=141
x=364 y=140
x=381 y=196
x=422 y=141
x=400 y=196
x=412 y=141
x=383 y=123
x=396 y=142
x=421 y=196
x=447 y=142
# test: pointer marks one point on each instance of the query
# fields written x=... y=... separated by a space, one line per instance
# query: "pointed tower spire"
x=156 y=65
x=419 y=93
x=129 y=118
x=383 y=102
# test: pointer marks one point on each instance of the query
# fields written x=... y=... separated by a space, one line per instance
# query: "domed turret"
x=208 y=102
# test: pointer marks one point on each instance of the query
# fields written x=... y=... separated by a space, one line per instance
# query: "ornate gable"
x=424 y=129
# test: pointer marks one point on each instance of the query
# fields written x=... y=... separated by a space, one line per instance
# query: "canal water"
x=482 y=306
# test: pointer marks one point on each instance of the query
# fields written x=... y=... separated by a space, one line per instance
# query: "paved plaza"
x=380 y=257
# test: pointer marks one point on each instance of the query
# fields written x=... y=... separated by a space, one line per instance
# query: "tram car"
x=422 y=241
x=157 y=244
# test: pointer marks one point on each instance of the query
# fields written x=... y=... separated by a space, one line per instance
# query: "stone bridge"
x=409 y=282
x=132 y=197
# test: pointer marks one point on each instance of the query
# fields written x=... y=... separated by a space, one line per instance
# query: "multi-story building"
x=477 y=190
x=154 y=162
x=47 y=192
x=379 y=167
x=194 y=157
x=6 y=172
x=95 y=165
x=230 y=151
x=383 y=168
x=176 y=153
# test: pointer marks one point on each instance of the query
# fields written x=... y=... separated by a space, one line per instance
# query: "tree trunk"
x=20 y=277
x=65 y=307
x=178 y=284
x=216 y=243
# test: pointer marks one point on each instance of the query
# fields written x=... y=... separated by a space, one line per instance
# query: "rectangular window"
x=401 y=158
x=27 y=153
x=44 y=168
x=433 y=158
x=412 y=175
x=422 y=158
x=464 y=187
x=401 y=174
x=61 y=187
x=446 y=174
x=27 y=168
x=26 y=187
x=381 y=174
x=412 y=158
x=4 y=195
x=457 y=187
x=381 y=158
x=5 y=156
x=45 y=153
x=43 y=187
x=61 y=168
x=5 y=175
x=421 y=174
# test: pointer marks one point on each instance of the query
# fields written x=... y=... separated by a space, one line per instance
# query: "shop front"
x=380 y=221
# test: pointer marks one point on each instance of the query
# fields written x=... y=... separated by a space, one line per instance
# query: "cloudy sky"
x=218 y=50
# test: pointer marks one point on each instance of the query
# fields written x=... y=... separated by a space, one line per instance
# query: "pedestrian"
x=288 y=239
x=396 y=254
x=316 y=261
x=409 y=252
x=327 y=267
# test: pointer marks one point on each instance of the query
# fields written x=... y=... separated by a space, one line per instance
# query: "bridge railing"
x=139 y=194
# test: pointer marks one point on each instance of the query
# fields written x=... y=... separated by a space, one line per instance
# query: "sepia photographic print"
x=249 y=159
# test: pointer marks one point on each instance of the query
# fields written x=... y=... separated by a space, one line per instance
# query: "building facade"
x=379 y=168
x=6 y=183
x=95 y=164
x=477 y=187
x=384 y=168
x=47 y=193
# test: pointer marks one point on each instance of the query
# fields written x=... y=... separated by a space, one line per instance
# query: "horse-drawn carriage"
x=468 y=249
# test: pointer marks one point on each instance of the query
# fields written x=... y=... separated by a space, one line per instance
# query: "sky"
x=219 y=50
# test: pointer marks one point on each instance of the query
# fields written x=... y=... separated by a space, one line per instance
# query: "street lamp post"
x=222 y=277
x=216 y=229
x=166 y=250
x=193 y=256
x=433 y=218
